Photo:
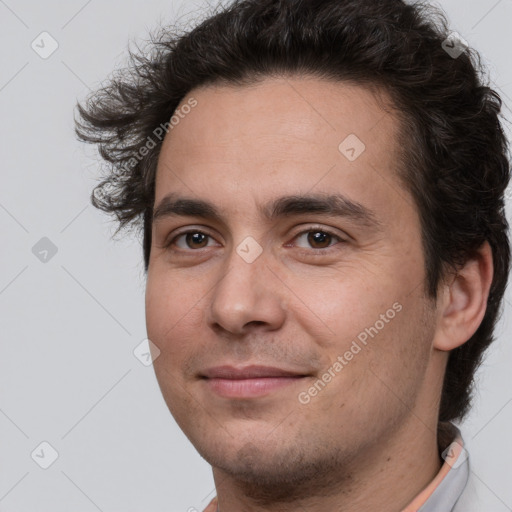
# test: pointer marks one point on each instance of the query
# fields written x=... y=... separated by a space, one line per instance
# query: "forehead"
x=282 y=135
x=313 y=110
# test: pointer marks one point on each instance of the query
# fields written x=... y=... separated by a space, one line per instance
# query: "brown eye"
x=191 y=240
x=196 y=240
x=319 y=239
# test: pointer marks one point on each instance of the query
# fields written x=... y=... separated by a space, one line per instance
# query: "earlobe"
x=464 y=300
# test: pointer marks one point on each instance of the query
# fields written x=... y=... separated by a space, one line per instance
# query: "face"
x=285 y=282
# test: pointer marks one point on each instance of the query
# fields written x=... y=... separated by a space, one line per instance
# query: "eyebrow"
x=330 y=204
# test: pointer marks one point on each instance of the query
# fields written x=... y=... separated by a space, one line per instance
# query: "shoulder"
x=477 y=496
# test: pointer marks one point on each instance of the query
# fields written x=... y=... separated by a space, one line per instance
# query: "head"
x=345 y=117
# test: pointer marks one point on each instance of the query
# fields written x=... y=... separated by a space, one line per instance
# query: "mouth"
x=249 y=381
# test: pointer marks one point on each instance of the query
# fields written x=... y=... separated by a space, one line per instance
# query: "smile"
x=248 y=382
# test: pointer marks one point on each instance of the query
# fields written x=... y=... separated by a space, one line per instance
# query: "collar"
x=447 y=486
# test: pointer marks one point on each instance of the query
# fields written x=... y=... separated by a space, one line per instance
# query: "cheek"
x=173 y=309
x=373 y=326
x=398 y=352
x=172 y=317
x=343 y=306
x=382 y=366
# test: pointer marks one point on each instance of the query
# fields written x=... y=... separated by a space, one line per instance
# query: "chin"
x=277 y=474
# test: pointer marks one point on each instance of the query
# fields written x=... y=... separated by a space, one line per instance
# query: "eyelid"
x=323 y=229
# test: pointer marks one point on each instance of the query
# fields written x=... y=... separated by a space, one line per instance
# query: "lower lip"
x=248 y=388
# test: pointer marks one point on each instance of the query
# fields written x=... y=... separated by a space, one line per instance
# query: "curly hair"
x=454 y=154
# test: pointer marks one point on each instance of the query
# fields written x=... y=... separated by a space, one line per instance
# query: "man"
x=321 y=188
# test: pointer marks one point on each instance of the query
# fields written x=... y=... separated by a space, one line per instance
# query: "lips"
x=249 y=381
x=247 y=372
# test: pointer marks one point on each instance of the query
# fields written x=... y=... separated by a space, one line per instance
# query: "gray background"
x=68 y=326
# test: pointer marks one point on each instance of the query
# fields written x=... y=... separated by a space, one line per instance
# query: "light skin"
x=367 y=440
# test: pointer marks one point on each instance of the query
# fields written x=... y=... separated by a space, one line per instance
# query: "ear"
x=462 y=300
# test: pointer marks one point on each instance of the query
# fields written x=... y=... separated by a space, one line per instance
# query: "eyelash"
x=317 y=251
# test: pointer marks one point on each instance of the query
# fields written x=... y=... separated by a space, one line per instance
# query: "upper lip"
x=248 y=372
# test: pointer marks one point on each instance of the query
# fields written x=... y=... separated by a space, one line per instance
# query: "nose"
x=248 y=295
